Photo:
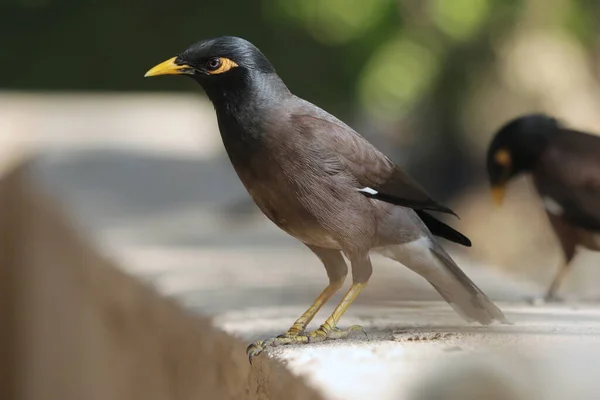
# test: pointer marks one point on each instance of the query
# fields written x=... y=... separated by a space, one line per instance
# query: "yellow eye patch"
x=226 y=65
x=503 y=158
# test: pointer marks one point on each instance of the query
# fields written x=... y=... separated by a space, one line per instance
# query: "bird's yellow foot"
x=319 y=335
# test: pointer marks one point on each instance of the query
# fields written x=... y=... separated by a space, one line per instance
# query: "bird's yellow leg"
x=300 y=325
x=327 y=330
x=560 y=276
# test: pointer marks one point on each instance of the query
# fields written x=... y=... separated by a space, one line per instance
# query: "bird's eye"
x=214 y=63
x=503 y=157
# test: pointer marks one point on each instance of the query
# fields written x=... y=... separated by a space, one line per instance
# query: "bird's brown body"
x=308 y=191
x=324 y=184
x=565 y=168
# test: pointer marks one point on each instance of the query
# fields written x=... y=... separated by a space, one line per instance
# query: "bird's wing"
x=571 y=179
x=376 y=175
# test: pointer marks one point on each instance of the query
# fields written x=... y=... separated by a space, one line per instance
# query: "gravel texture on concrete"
x=422 y=350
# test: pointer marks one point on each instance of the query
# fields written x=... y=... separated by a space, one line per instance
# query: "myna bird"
x=565 y=167
x=324 y=184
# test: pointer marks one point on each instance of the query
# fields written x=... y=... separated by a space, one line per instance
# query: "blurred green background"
x=427 y=81
x=400 y=68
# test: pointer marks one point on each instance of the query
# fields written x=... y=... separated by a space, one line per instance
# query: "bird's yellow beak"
x=498 y=194
x=168 y=68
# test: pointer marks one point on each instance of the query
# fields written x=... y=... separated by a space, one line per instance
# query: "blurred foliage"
x=397 y=74
x=380 y=60
x=332 y=21
x=460 y=19
x=386 y=54
x=331 y=50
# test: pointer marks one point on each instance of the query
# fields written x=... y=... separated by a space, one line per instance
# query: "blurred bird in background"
x=565 y=166
x=324 y=184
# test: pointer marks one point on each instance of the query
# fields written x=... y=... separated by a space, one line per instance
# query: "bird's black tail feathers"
x=438 y=228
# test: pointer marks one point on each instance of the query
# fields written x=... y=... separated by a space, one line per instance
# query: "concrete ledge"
x=154 y=123
x=75 y=327
x=419 y=350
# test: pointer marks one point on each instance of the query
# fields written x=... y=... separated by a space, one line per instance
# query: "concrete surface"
x=167 y=123
x=550 y=352
x=255 y=281
x=76 y=327
x=173 y=219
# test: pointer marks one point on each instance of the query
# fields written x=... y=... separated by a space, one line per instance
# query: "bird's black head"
x=225 y=64
x=516 y=148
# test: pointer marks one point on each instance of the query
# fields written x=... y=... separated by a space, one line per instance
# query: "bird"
x=324 y=184
x=565 y=168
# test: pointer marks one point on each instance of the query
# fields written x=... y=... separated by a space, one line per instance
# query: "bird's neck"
x=244 y=106
x=245 y=110
x=530 y=148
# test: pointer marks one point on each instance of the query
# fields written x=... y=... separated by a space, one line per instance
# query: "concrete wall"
x=75 y=327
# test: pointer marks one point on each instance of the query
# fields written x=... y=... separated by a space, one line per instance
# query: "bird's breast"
x=277 y=196
x=293 y=190
x=281 y=205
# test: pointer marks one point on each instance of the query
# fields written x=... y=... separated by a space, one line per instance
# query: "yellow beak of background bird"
x=498 y=194
x=168 y=68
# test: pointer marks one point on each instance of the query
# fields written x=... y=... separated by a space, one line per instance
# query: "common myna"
x=324 y=184
x=565 y=166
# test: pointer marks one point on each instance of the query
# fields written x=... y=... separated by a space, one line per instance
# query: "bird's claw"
x=319 y=335
x=337 y=333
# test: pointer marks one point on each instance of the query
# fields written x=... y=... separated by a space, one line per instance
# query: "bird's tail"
x=429 y=260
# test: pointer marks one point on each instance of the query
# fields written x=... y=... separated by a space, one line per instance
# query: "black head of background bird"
x=228 y=68
x=515 y=149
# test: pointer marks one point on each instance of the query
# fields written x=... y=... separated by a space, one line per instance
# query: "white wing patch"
x=368 y=190
x=552 y=206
